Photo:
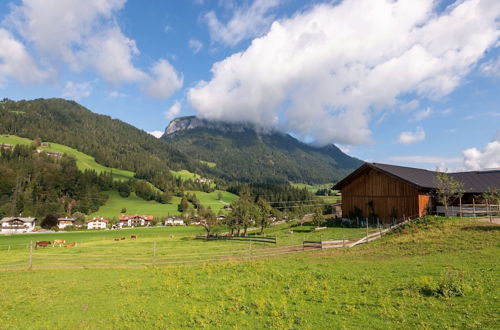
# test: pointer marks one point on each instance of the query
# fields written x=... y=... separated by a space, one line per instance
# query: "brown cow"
x=70 y=244
x=59 y=242
x=116 y=239
x=42 y=244
x=133 y=236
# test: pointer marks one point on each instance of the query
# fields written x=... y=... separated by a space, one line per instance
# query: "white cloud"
x=164 y=81
x=491 y=68
x=16 y=62
x=77 y=91
x=412 y=137
x=173 y=111
x=247 y=21
x=422 y=114
x=475 y=159
x=85 y=35
x=156 y=134
x=323 y=73
x=195 y=45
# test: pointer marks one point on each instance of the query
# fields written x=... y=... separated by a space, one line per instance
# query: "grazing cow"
x=133 y=236
x=59 y=242
x=122 y=238
x=116 y=239
x=42 y=244
x=70 y=244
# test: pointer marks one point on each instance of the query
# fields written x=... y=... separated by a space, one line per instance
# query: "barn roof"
x=474 y=182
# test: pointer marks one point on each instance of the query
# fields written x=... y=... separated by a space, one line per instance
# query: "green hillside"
x=111 y=142
x=83 y=161
x=242 y=153
x=135 y=205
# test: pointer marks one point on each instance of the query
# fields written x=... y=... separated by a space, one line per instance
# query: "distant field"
x=83 y=161
x=210 y=199
x=439 y=274
x=209 y=164
x=136 y=205
x=185 y=175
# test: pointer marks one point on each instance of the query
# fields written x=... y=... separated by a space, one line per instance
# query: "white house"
x=12 y=225
x=135 y=220
x=174 y=222
x=97 y=223
x=64 y=222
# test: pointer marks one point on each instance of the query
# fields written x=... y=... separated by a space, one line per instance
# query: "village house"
x=174 y=221
x=97 y=223
x=65 y=222
x=6 y=146
x=396 y=192
x=14 y=225
x=135 y=220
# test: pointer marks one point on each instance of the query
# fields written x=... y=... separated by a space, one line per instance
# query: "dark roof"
x=474 y=182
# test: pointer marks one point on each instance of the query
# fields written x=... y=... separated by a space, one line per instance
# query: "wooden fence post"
x=30 y=262
x=473 y=207
x=366 y=230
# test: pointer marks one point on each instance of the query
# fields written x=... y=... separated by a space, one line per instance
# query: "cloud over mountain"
x=323 y=73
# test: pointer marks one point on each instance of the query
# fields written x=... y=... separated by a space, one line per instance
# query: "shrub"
x=450 y=284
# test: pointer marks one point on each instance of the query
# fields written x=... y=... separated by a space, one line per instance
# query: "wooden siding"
x=387 y=194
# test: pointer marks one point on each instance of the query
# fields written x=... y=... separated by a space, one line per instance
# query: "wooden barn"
x=396 y=192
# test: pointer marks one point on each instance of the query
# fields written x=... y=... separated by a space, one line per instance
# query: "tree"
x=79 y=217
x=210 y=220
x=491 y=196
x=183 y=205
x=123 y=189
x=219 y=196
x=448 y=189
x=263 y=216
x=318 y=218
x=49 y=221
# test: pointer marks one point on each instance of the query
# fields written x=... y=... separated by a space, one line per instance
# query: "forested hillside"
x=35 y=184
x=112 y=142
x=242 y=153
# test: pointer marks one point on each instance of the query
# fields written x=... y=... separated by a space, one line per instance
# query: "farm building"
x=97 y=223
x=173 y=221
x=13 y=225
x=65 y=222
x=135 y=220
x=394 y=192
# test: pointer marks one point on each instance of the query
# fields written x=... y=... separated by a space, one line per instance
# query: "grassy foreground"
x=390 y=283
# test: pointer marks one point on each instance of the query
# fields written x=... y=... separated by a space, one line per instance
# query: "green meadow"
x=434 y=274
x=135 y=205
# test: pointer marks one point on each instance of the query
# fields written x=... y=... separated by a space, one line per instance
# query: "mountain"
x=112 y=142
x=245 y=153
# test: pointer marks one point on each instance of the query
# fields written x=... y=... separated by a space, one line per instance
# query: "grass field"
x=136 y=205
x=393 y=283
x=184 y=175
x=83 y=161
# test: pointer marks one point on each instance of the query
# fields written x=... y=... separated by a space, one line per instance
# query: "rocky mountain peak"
x=191 y=122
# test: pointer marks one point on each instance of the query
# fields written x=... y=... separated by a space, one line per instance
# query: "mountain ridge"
x=243 y=152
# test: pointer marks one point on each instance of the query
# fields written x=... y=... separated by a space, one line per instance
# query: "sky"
x=408 y=82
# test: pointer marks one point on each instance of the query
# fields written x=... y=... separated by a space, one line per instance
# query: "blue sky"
x=415 y=83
